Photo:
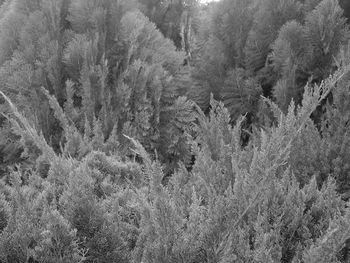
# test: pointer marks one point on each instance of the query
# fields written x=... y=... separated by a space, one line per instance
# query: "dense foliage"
x=173 y=131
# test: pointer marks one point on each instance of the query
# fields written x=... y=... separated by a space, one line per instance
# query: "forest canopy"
x=174 y=131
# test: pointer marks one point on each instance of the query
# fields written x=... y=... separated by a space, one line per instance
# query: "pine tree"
x=306 y=51
x=325 y=32
x=272 y=14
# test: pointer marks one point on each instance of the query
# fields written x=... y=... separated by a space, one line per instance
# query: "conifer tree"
x=271 y=15
x=308 y=51
x=106 y=159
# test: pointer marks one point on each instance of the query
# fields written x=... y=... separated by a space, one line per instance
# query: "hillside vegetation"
x=169 y=131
